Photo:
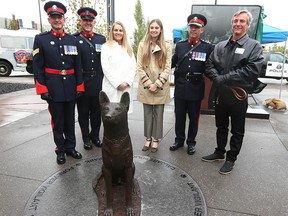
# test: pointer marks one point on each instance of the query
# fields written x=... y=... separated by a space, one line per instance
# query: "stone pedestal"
x=163 y=189
x=119 y=203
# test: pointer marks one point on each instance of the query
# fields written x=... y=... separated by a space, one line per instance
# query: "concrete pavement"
x=257 y=185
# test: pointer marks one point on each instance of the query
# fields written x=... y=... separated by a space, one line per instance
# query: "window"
x=13 y=42
x=30 y=42
x=266 y=56
x=274 y=57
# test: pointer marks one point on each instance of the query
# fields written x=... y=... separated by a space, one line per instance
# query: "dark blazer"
x=91 y=63
x=193 y=64
x=57 y=53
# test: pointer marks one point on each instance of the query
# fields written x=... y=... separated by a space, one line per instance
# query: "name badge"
x=70 y=50
x=98 y=47
x=239 y=51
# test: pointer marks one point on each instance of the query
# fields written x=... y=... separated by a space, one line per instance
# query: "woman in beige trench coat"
x=153 y=67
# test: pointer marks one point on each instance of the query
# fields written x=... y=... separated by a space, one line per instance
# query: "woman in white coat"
x=118 y=64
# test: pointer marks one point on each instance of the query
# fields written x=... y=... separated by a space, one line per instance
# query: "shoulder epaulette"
x=99 y=34
x=182 y=41
x=207 y=42
x=76 y=34
x=70 y=35
x=44 y=33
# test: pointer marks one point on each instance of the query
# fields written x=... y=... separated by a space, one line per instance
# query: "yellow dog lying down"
x=275 y=103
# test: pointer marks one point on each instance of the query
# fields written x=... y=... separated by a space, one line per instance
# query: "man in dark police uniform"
x=189 y=62
x=88 y=106
x=58 y=78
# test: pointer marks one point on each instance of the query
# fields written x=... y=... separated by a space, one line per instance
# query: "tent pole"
x=282 y=72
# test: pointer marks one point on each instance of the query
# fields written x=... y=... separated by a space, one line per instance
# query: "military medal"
x=70 y=50
x=203 y=56
x=98 y=47
x=193 y=55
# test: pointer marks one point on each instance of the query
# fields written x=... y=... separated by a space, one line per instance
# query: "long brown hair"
x=160 y=56
x=125 y=43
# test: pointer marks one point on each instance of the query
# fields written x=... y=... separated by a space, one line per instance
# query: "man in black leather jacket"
x=233 y=66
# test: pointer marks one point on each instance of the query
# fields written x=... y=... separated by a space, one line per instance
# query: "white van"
x=15 y=49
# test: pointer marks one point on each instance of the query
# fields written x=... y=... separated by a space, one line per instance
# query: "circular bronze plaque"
x=163 y=190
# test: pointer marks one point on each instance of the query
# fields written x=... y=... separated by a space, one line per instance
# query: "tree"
x=276 y=48
x=141 y=26
x=13 y=24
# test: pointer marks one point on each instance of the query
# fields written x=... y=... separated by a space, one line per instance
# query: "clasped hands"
x=220 y=79
x=123 y=86
x=153 y=88
x=47 y=97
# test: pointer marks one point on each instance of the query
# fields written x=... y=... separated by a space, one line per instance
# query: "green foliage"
x=141 y=26
x=72 y=21
x=276 y=48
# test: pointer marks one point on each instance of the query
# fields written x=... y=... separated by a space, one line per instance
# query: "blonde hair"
x=160 y=56
x=125 y=43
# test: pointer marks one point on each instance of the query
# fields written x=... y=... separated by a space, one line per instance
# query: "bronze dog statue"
x=117 y=154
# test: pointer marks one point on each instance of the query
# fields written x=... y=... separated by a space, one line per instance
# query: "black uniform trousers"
x=89 y=112
x=182 y=107
x=228 y=106
x=63 y=125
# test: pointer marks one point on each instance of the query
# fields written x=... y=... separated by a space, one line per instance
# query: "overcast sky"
x=173 y=13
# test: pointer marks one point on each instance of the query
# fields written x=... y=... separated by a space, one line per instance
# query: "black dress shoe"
x=191 y=149
x=61 y=158
x=175 y=146
x=87 y=145
x=75 y=154
x=97 y=142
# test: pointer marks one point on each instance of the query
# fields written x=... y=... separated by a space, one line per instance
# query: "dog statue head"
x=114 y=115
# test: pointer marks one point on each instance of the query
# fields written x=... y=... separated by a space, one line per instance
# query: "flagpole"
x=41 y=28
x=283 y=68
